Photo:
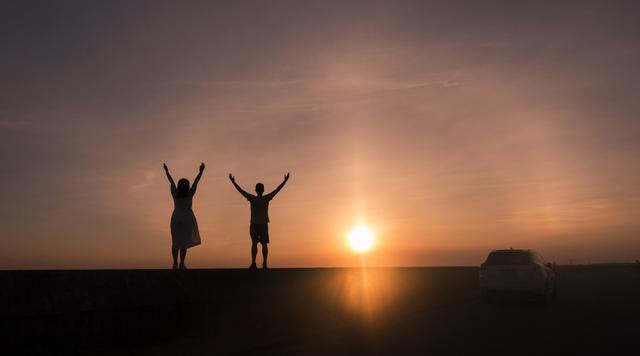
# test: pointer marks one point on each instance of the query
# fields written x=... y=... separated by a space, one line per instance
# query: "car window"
x=500 y=258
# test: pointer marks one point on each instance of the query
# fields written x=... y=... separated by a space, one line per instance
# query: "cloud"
x=236 y=83
x=149 y=179
x=6 y=124
x=343 y=82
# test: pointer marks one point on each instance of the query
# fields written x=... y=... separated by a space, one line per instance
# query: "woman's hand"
x=201 y=167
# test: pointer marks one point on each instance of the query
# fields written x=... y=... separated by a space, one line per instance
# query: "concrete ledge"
x=80 y=312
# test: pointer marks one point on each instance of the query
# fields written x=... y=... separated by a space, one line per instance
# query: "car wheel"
x=550 y=295
x=547 y=299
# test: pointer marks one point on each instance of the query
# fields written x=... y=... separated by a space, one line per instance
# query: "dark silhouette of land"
x=313 y=311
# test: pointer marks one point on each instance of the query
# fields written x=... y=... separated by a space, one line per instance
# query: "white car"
x=517 y=272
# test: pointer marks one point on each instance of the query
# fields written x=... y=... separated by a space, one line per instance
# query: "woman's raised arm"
x=194 y=186
x=173 y=184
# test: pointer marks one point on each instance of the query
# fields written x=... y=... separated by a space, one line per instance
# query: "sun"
x=361 y=239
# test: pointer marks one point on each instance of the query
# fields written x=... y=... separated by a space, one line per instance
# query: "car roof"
x=511 y=250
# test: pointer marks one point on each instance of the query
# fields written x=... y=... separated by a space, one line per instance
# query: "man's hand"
x=286 y=177
x=201 y=167
x=232 y=178
x=166 y=169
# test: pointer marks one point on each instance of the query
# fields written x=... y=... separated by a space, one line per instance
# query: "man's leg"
x=183 y=256
x=265 y=254
x=254 y=245
x=254 y=253
x=174 y=253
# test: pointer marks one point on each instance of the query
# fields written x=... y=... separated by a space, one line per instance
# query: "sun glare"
x=361 y=238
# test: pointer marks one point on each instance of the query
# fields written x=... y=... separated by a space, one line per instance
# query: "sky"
x=450 y=129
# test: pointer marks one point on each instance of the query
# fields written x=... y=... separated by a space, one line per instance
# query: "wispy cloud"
x=237 y=83
x=6 y=124
x=149 y=178
x=342 y=82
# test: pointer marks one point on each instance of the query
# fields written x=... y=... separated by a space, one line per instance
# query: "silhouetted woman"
x=184 y=227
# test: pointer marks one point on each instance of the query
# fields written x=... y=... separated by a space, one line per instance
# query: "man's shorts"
x=259 y=233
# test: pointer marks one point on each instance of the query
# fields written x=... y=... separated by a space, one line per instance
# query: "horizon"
x=449 y=130
x=356 y=266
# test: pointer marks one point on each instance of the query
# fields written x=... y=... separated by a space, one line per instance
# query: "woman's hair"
x=183 y=188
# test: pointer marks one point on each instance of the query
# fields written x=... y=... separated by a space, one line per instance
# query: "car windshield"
x=509 y=258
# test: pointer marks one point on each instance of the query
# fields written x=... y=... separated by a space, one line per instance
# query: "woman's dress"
x=184 y=227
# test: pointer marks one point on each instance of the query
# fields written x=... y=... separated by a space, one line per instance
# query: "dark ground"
x=314 y=311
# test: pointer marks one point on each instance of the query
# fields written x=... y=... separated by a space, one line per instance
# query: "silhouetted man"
x=259 y=229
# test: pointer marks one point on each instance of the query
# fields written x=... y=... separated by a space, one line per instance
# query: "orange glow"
x=361 y=239
x=367 y=292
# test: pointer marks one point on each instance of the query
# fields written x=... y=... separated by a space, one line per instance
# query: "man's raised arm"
x=244 y=194
x=273 y=194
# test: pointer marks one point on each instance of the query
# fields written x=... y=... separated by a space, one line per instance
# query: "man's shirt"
x=259 y=208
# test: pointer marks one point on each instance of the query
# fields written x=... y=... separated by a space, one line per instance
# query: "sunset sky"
x=449 y=130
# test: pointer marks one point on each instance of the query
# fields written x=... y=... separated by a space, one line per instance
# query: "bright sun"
x=361 y=238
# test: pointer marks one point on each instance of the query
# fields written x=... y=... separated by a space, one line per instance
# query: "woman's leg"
x=183 y=255
x=174 y=253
